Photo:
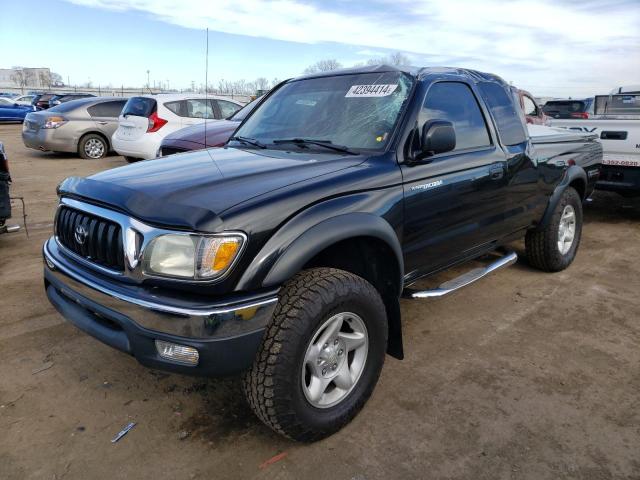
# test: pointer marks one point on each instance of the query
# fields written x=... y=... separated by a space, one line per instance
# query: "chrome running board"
x=463 y=280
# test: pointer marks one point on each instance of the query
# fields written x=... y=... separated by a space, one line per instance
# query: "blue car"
x=12 y=112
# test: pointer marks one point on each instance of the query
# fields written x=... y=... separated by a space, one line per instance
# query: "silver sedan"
x=84 y=126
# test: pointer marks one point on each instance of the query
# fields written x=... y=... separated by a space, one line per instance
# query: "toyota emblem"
x=81 y=234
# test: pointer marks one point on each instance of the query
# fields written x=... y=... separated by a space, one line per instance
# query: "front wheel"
x=321 y=355
x=554 y=247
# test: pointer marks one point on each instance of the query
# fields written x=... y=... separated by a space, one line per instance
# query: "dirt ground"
x=523 y=375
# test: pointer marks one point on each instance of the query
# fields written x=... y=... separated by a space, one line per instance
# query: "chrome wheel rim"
x=94 y=148
x=566 y=229
x=335 y=359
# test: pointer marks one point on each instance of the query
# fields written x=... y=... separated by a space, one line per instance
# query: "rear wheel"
x=554 y=247
x=93 y=147
x=321 y=355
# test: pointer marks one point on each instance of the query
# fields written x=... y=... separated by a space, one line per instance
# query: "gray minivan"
x=84 y=126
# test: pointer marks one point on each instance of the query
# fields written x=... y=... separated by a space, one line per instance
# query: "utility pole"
x=148 y=84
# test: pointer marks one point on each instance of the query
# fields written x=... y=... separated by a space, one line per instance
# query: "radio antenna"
x=206 y=89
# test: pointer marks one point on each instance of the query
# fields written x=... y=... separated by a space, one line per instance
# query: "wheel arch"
x=575 y=177
x=351 y=242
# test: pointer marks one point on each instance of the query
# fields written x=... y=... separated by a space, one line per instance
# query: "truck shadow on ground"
x=212 y=411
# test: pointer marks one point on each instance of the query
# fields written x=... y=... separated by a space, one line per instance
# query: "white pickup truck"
x=616 y=122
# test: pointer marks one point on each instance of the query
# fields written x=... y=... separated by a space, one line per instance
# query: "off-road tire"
x=273 y=386
x=95 y=138
x=542 y=245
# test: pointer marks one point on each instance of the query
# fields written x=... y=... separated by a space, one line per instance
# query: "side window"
x=529 y=106
x=227 y=108
x=199 y=108
x=455 y=102
x=503 y=107
x=106 y=109
x=176 y=107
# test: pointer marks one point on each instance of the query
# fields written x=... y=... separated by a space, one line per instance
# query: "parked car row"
x=134 y=127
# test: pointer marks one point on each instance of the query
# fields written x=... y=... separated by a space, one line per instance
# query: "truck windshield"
x=357 y=111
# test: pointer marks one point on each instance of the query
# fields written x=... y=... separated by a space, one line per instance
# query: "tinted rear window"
x=565 y=106
x=106 y=109
x=503 y=107
x=139 y=107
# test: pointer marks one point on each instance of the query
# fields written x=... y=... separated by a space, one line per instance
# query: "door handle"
x=496 y=172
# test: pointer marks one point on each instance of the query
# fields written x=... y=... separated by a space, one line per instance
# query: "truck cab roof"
x=418 y=73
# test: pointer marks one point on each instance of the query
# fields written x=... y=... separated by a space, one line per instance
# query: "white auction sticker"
x=382 y=90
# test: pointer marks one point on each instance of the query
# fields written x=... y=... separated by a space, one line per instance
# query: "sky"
x=549 y=47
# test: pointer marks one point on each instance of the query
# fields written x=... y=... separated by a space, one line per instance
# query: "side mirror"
x=437 y=136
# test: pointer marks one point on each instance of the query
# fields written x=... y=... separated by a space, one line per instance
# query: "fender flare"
x=572 y=174
x=289 y=259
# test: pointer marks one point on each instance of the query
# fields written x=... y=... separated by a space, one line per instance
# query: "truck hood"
x=192 y=192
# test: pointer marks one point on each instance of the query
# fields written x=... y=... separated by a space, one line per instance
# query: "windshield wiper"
x=248 y=141
x=320 y=143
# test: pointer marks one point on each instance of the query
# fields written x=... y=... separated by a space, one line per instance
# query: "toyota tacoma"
x=284 y=255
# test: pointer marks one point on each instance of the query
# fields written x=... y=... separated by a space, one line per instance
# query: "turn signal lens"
x=225 y=255
x=217 y=254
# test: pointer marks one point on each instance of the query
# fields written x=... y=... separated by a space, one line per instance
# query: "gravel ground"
x=523 y=375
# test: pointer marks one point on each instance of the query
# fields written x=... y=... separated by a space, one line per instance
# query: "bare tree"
x=21 y=77
x=56 y=79
x=397 y=59
x=261 y=83
x=323 y=66
x=44 y=78
x=275 y=82
x=17 y=77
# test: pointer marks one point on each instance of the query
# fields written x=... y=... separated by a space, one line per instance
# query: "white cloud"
x=546 y=46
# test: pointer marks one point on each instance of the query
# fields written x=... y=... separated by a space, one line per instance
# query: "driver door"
x=454 y=201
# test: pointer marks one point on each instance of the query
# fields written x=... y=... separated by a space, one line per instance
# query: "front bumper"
x=226 y=334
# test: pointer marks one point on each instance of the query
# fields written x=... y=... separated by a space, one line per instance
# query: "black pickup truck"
x=284 y=255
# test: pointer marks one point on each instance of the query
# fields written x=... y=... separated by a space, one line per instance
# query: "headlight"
x=54 y=122
x=195 y=257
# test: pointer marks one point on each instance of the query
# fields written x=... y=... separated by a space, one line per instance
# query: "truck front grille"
x=94 y=238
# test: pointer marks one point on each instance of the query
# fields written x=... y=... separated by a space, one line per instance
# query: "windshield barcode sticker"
x=371 y=90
